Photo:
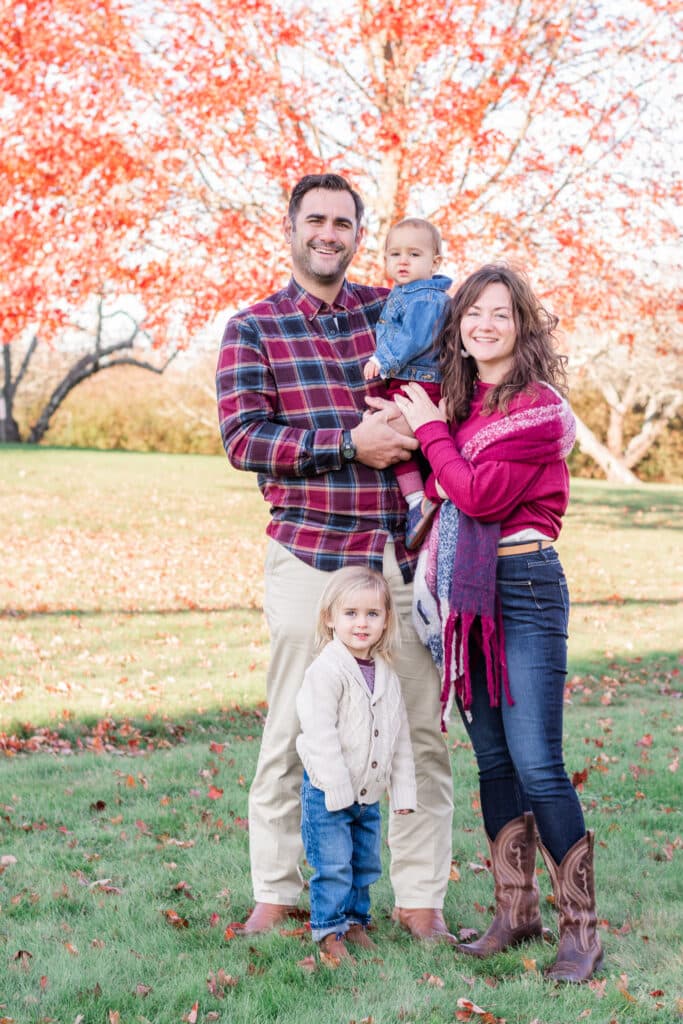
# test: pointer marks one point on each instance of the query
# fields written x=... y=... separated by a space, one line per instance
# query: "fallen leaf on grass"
x=598 y=987
x=142 y=990
x=431 y=979
x=114 y=1017
x=104 y=885
x=308 y=964
x=175 y=919
x=191 y=1017
x=218 y=982
x=477 y=868
x=329 y=960
x=23 y=958
x=468 y=933
x=214 y=793
x=529 y=964
x=295 y=933
x=621 y=987
x=455 y=872
x=467 y=1010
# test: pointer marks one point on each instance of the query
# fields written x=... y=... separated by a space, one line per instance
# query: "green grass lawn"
x=133 y=655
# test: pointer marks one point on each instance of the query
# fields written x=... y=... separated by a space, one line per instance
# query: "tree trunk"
x=9 y=428
x=615 y=470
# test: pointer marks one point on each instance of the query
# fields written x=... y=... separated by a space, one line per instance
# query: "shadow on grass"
x=661 y=671
x=632 y=508
x=68 y=613
x=134 y=735
x=621 y=602
x=658 y=674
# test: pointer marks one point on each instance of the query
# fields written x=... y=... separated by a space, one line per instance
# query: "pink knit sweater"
x=519 y=495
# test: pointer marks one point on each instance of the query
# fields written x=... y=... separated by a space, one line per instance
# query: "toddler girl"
x=354 y=745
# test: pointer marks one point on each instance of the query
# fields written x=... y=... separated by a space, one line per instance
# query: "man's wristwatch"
x=347 y=447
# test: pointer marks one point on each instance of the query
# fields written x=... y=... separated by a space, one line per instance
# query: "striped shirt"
x=289 y=380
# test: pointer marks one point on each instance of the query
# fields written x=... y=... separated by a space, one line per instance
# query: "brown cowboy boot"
x=265 y=917
x=579 y=952
x=424 y=923
x=518 y=916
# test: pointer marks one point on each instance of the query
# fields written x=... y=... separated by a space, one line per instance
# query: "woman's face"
x=488 y=333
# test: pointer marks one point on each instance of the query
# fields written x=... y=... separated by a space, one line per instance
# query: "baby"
x=406 y=336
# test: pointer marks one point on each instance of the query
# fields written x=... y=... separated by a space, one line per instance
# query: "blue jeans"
x=344 y=849
x=519 y=748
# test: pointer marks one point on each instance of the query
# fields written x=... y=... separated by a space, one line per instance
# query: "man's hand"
x=378 y=444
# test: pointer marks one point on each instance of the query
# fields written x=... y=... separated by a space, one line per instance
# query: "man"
x=291 y=400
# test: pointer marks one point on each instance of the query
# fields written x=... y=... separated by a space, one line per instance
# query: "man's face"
x=323 y=239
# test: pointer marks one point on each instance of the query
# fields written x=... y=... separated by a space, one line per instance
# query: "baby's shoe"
x=418 y=521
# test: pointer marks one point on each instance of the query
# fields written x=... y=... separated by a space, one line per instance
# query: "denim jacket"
x=407 y=329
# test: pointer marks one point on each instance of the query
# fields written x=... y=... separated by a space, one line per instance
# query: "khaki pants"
x=420 y=843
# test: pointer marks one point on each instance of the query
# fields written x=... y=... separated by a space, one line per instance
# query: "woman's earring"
x=464 y=353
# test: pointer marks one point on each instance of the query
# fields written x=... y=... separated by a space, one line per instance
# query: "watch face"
x=348 y=448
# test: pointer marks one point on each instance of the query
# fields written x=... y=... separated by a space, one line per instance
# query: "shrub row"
x=134 y=410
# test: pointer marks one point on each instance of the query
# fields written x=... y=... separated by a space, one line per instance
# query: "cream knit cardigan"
x=354 y=744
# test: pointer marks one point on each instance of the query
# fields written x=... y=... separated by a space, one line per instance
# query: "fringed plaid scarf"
x=455 y=595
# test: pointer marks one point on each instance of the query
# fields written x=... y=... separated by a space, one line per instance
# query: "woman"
x=492 y=578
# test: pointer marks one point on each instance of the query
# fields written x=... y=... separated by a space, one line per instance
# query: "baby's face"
x=409 y=255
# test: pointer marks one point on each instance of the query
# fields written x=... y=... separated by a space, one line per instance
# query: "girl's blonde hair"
x=340 y=587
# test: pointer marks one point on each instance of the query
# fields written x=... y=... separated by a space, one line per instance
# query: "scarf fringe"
x=457 y=668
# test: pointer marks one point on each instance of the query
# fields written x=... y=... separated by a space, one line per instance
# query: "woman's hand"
x=417 y=407
x=389 y=413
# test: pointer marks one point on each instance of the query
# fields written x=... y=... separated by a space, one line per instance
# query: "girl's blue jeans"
x=519 y=748
x=344 y=849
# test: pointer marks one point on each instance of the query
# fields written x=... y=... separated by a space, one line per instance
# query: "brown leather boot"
x=579 y=952
x=358 y=935
x=424 y=923
x=265 y=917
x=518 y=916
x=334 y=946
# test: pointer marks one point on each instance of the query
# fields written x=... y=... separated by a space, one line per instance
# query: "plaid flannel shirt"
x=289 y=380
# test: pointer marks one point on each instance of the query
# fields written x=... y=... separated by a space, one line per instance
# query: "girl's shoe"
x=358 y=935
x=334 y=946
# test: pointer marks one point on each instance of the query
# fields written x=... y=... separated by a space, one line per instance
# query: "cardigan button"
x=363 y=792
x=374 y=764
x=376 y=732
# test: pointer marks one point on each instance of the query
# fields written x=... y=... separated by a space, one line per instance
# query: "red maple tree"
x=541 y=133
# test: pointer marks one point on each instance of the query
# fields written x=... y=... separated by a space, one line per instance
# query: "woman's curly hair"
x=534 y=357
